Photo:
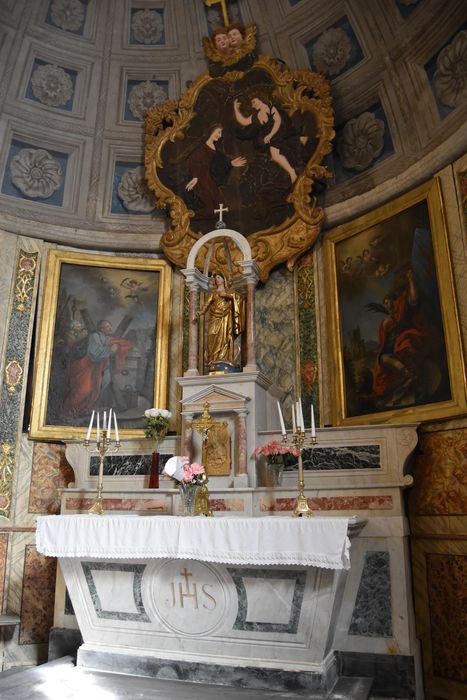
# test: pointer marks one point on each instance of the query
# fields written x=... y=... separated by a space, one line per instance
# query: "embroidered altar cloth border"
x=320 y=541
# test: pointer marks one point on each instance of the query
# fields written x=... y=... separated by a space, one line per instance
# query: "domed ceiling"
x=77 y=77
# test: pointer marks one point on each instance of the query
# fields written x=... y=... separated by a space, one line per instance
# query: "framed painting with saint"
x=103 y=343
x=397 y=353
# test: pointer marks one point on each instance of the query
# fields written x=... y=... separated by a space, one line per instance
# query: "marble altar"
x=217 y=601
x=354 y=471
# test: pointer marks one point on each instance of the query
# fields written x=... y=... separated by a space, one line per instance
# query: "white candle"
x=98 y=429
x=88 y=434
x=110 y=425
x=313 y=427
x=281 y=419
x=294 y=424
x=302 y=422
x=104 y=423
x=117 y=436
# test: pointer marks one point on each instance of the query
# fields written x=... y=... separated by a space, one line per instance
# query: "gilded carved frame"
x=355 y=315
x=134 y=293
x=298 y=92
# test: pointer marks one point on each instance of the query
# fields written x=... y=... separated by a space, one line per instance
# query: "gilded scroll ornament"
x=25 y=274
x=252 y=135
x=6 y=475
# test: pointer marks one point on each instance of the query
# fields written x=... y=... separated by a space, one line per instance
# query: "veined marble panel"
x=115 y=590
x=270 y=503
x=81 y=504
x=126 y=465
x=37 y=603
x=345 y=457
x=440 y=486
x=447 y=595
x=50 y=472
x=268 y=601
x=372 y=614
x=20 y=515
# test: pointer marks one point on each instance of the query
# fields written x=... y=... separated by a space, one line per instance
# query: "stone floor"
x=62 y=680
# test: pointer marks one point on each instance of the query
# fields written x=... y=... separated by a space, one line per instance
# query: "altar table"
x=211 y=599
x=318 y=541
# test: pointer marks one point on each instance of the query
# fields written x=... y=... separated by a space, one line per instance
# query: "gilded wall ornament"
x=6 y=475
x=251 y=138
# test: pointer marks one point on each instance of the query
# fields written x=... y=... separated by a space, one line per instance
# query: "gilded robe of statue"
x=226 y=322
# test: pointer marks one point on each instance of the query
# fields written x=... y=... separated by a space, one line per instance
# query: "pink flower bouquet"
x=274 y=448
x=193 y=473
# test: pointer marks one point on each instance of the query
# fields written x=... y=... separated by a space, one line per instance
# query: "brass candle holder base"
x=302 y=508
x=97 y=508
x=202 y=502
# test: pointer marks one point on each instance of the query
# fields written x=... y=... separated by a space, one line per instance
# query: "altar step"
x=62 y=679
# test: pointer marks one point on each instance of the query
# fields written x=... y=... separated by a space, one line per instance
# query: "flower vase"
x=154 y=471
x=188 y=493
x=270 y=471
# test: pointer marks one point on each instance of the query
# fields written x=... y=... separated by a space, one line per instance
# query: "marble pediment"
x=219 y=399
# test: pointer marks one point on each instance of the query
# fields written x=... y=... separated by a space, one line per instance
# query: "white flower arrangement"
x=157 y=423
x=154 y=412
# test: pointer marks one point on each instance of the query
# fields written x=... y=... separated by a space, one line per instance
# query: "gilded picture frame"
x=103 y=343
x=208 y=147
x=392 y=316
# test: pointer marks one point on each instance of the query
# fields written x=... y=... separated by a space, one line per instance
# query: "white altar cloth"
x=321 y=541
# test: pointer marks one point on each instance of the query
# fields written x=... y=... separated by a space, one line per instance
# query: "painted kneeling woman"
x=225 y=323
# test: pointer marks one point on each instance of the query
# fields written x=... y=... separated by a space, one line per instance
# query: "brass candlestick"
x=102 y=447
x=202 y=425
x=300 y=441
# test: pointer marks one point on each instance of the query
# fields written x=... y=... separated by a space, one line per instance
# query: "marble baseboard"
x=393 y=675
x=63 y=642
x=215 y=674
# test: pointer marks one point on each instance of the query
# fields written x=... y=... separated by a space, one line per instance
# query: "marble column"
x=250 y=276
x=187 y=435
x=195 y=281
x=193 y=335
x=241 y=443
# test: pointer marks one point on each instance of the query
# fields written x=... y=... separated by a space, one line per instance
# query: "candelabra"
x=103 y=445
x=203 y=425
x=300 y=441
